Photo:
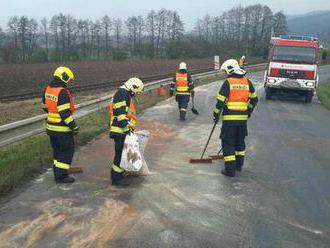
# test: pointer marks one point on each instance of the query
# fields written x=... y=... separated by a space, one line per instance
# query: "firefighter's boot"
x=67 y=179
x=239 y=162
x=229 y=171
x=119 y=179
x=62 y=176
x=182 y=115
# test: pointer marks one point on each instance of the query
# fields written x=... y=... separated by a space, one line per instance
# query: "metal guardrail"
x=20 y=130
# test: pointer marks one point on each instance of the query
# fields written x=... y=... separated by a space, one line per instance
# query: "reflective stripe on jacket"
x=55 y=123
x=121 y=115
x=182 y=83
x=236 y=100
x=239 y=94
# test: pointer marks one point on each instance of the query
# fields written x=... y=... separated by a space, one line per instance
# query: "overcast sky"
x=189 y=10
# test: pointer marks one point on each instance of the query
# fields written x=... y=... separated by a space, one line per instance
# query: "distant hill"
x=316 y=23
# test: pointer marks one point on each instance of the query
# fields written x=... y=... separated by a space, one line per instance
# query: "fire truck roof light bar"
x=296 y=37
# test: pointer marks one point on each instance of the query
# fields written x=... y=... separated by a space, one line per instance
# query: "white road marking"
x=306 y=228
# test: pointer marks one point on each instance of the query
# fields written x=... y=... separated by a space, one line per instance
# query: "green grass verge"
x=323 y=93
x=22 y=161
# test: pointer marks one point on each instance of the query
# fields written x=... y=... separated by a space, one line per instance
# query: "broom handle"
x=215 y=124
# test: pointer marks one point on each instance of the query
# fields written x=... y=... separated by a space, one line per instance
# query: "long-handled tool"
x=218 y=156
x=76 y=169
x=204 y=160
x=195 y=111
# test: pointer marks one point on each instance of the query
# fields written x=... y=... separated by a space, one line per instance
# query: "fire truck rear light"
x=271 y=80
x=310 y=84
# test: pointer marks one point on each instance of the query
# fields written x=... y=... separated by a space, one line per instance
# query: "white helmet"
x=243 y=57
x=134 y=85
x=182 y=66
x=231 y=66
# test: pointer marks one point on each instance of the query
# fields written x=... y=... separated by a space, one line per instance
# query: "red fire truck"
x=293 y=62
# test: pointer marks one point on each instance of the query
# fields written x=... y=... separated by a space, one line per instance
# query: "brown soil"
x=29 y=77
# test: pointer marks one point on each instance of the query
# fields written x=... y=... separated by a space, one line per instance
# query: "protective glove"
x=250 y=113
x=192 y=93
x=75 y=130
x=131 y=129
x=216 y=117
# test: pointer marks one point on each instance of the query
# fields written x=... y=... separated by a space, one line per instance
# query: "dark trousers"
x=233 y=145
x=63 y=150
x=182 y=101
x=119 y=146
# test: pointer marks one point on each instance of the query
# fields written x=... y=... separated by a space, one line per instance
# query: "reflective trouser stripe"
x=119 y=129
x=58 y=128
x=240 y=153
x=234 y=117
x=230 y=158
x=183 y=109
x=117 y=168
x=62 y=166
x=183 y=93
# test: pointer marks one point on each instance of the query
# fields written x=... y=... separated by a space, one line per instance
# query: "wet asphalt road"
x=281 y=199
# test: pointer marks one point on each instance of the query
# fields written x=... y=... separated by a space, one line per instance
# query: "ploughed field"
x=23 y=78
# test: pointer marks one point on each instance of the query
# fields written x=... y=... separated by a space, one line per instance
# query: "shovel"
x=195 y=111
x=204 y=160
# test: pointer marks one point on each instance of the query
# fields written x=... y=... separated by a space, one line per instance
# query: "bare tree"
x=54 y=29
x=45 y=32
x=13 y=26
x=118 y=25
x=151 y=30
x=96 y=30
x=32 y=35
x=159 y=33
x=280 y=24
x=132 y=25
x=106 y=26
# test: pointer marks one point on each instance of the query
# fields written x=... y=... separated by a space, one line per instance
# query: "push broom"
x=202 y=159
x=217 y=157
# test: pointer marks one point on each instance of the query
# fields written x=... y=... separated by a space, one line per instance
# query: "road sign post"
x=216 y=62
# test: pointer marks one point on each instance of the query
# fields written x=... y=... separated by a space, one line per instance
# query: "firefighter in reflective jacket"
x=61 y=126
x=122 y=122
x=236 y=100
x=184 y=87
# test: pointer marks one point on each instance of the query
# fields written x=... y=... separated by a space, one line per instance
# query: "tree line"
x=158 y=34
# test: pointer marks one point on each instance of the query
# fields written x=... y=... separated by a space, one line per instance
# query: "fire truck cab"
x=293 y=62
